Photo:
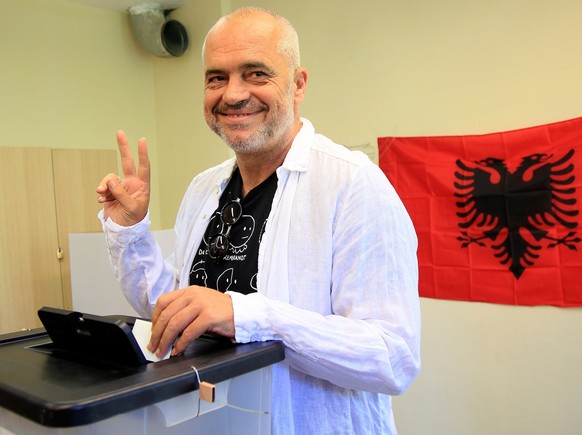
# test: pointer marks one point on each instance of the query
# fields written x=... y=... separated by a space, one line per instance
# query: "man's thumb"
x=117 y=191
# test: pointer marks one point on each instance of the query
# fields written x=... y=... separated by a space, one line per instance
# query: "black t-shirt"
x=237 y=269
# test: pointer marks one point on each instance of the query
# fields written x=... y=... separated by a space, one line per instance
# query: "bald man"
x=294 y=239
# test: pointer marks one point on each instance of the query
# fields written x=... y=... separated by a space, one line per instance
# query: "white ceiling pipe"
x=157 y=34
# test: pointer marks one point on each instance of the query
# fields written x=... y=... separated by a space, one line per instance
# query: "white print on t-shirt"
x=215 y=226
x=199 y=272
x=247 y=224
x=225 y=280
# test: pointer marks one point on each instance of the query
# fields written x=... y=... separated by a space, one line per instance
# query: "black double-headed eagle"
x=515 y=210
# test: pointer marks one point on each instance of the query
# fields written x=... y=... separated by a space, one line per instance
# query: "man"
x=306 y=242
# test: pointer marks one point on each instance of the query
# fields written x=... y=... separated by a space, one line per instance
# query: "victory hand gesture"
x=126 y=201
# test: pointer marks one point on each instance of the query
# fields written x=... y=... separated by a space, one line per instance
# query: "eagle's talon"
x=568 y=241
x=467 y=239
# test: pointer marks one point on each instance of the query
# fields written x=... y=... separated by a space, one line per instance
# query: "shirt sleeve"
x=371 y=339
x=138 y=263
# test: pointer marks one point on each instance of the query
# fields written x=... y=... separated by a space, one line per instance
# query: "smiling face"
x=251 y=93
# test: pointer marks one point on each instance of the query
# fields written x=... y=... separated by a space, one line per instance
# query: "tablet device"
x=91 y=337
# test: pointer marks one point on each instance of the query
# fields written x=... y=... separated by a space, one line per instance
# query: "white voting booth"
x=95 y=289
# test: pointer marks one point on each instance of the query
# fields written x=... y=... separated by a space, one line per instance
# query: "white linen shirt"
x=337 y=284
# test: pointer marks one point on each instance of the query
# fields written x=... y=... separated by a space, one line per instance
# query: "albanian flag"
x=498 y=216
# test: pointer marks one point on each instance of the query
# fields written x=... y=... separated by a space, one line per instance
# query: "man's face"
x=249 y=92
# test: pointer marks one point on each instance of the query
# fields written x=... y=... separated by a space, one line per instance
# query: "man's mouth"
x=237 y=115
x=239 y=118
x=244 y=109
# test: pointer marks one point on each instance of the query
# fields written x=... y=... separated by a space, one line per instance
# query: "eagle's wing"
x=481 y=196
x=563 y=200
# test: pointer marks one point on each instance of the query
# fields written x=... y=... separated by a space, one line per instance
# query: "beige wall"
x=70 y=77
x=187 y=146
x=377 y=68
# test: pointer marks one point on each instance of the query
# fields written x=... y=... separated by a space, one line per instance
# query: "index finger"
x=163 y=334
x=163 y=302
x=127 y=162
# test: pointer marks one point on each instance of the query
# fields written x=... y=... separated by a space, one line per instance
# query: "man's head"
x=253 y=82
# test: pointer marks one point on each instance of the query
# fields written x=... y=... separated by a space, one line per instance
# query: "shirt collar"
x=298 y=156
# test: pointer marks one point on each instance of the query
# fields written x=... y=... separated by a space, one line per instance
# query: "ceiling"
x=122 y=5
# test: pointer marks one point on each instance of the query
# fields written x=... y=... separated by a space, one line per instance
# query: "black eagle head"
x=534 y=159
x=490 y=162
x=494 y=167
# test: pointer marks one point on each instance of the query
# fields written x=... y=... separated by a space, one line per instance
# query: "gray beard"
x=275 y=127
x=272 y=129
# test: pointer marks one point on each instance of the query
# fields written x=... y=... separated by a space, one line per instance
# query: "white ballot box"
x=50 y=390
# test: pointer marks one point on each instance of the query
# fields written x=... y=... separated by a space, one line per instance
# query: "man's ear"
x=300 y=80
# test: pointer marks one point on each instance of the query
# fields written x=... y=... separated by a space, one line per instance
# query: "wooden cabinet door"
x=30 y=275
x=44 y=195
x=76 y=176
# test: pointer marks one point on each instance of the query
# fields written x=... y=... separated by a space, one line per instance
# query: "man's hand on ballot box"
x=181 y=316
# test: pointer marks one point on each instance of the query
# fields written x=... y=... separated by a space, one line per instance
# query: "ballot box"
x=214 y=387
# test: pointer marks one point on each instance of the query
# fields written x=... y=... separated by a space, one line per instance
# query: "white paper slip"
x=142 y=331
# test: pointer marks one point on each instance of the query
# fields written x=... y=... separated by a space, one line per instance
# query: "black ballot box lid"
x=59 y=389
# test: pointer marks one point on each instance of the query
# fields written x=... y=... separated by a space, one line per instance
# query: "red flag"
x=497 y=215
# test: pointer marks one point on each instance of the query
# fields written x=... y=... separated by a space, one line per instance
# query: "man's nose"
x=236 y=90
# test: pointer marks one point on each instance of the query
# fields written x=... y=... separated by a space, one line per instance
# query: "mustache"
x=239 y=105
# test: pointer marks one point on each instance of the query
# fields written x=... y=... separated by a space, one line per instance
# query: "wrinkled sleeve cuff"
x=121 y=235
x=250 y=320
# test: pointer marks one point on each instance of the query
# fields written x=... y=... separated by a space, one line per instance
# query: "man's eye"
x=258 y=74
x=215 y=79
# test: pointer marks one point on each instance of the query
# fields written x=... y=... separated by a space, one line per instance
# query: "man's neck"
x=254 y=169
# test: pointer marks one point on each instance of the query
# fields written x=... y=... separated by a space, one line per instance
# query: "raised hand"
x=189 y=313
x=126 y=201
